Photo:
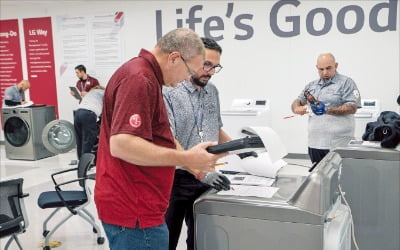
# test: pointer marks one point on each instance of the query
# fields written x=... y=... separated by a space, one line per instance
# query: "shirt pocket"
x=210 y=108
x=332 y=97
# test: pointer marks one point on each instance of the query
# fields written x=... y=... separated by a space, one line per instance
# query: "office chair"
x=96 y=145
x=74 y=200
x=13 y=218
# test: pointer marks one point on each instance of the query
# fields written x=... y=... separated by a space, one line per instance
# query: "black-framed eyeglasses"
x=207 y=66
x=190 y=71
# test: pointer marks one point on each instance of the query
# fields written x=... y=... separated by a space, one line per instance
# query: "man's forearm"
x=193 y=171
x=139 y=151
x=345 y=109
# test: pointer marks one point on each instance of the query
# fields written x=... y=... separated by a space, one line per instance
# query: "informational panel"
x=93 y=40
x=10 y=55
x=40 y=60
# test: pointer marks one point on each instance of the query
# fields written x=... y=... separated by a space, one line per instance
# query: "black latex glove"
x=247 y=154
x=217 y=181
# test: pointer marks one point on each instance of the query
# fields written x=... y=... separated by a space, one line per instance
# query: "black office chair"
x=13 y=218
x=96 y=145
x=74 y=200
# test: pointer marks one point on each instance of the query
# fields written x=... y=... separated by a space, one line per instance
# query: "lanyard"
x=83 y=84
x=198 y=112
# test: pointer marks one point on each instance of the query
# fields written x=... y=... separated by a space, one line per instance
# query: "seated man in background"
x=15 y=95
x=194 y=116
x=333 y=98
x=85 y=120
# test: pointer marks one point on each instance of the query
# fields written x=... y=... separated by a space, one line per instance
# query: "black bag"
x=386 y=130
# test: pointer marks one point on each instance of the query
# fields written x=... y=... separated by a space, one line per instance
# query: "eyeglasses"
x=190 y=71
x=207 y=66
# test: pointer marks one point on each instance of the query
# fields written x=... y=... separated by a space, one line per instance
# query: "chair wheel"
x=94 y=230
x=46 y=248
x=100 y=240
x=45 y=233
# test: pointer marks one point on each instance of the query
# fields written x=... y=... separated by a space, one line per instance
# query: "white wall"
x=264 y=65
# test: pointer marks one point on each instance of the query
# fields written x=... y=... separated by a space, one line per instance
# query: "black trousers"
x=185 y=191
x=316 y=155
x=86 y=130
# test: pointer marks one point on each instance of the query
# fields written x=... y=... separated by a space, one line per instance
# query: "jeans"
x=123 y=238
x=185 y=191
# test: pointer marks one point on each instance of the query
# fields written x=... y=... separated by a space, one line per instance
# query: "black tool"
x=247 y=154
x=313 y=167
x=310 y=98
x=246 y=144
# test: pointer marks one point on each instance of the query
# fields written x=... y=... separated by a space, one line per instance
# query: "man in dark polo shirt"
x=136 y=155
x=85 y=82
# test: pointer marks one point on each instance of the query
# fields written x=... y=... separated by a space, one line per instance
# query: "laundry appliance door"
x=58 y=136
x=16 y=131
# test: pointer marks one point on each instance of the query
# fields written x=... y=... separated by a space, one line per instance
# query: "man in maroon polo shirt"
x=85 y=82
x=136 y=155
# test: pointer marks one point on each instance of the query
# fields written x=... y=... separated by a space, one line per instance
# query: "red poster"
x=40 y=59
x=10 y=55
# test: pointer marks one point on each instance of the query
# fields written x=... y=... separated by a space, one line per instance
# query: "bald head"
x=326 y=57
x=24 y=85
x=326 y=66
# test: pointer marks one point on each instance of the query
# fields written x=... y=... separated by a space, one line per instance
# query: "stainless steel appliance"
x=23 y=131
x=305 y=213
x=371 y=181
x=369 y=112
x=245 y=112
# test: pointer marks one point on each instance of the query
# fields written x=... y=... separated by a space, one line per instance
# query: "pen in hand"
x=220 y=164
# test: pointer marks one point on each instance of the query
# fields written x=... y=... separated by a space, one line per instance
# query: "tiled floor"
x=74 y=234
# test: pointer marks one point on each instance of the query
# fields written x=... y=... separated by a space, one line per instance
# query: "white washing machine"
x=23 y=131
x=369 y=112
x=245 y=112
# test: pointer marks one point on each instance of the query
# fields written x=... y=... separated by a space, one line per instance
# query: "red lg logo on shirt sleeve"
x=135 y=121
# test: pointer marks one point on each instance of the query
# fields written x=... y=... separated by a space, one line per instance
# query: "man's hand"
x=300 y=110
x=198 y=157
x=217 y=181
x=83 y=93
x=299 y=107
x=319 y=108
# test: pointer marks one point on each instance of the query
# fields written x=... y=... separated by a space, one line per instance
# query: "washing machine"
x=23 y=129
x=245 y=112
x=369 y=112
x=58 y=136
